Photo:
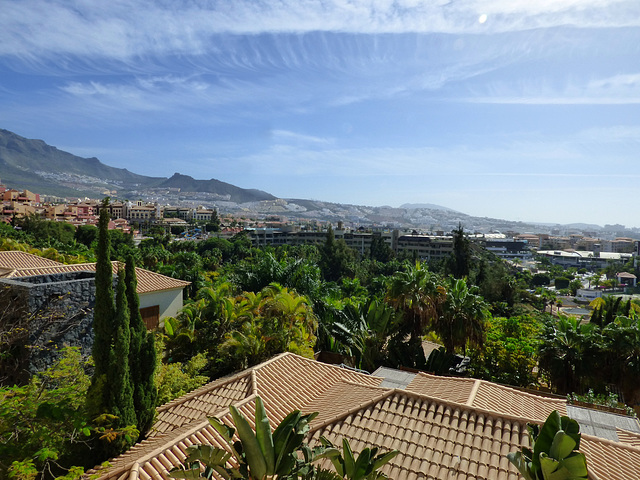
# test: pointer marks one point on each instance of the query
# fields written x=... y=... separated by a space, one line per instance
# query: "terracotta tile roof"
x=17 y=260
x=487 y=396
x=287 y=381
x=290 y=381
x=609 y=460
x=339 y=398
x=455 y=389
x=27 y=265
x=203 y=402
x=437 y=438
x=499 y=398
x=149 y=281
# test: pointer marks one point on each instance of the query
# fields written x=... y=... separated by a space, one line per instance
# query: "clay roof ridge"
x=479 y=382
x=445 y=377
x=135 y=469
x=300 y=358
x=274 y=359
x=254 y=382
x=353 y=409
x=473 y=393
x=520 y=392
x=206 y=388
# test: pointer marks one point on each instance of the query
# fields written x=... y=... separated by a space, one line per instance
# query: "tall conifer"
x=118 y=376
x=103 y=315
x=142 y=356
x=103 y=312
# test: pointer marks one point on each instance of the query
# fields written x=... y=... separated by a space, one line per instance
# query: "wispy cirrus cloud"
x=622 y=89
x=126 y=30
x=289 y=136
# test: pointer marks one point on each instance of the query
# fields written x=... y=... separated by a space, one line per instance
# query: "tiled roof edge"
x=176 y=280
x=127 y=467
x=613 y=443
x=528 y=394
x=205 y=389
x=628 y=432
x=420 y=396
x=174 y=437
x=177 y=287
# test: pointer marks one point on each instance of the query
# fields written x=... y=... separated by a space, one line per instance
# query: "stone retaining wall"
x=61 y=313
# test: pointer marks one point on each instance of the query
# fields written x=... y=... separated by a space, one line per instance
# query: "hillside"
x=37 y=166
x=240 y=195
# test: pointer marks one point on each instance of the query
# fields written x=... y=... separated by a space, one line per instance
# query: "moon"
x=482 y=18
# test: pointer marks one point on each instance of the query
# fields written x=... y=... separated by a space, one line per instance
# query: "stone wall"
x=60 y=310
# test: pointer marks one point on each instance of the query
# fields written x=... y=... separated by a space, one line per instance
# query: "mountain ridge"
x=34 y=164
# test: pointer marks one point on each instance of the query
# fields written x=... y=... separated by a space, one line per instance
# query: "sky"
x=513 y=109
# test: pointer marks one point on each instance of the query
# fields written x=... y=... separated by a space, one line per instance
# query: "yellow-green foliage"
x=510 y=350
x=175 y=379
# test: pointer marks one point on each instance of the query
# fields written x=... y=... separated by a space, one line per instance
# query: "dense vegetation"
x=245 y=305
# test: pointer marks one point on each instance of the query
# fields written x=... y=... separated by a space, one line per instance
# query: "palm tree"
x=418 y=295
x=566 y=353
x=621 y=352
x=416 y=292
x=290 y=317
x=461 y=321
x=365 y=329
x=270 y=322
x=180 y=332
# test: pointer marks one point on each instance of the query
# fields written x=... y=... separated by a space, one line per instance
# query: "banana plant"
x=365 y=467
x=554 y=455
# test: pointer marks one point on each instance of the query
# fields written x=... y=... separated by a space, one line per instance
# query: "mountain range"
x=42 y=168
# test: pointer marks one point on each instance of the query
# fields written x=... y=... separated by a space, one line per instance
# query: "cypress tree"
x=460 y=261
x=103 y=315
x=103 y=312
x=142 y=356
x=120 y=389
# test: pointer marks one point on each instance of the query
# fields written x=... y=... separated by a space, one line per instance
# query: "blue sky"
x=516 y=109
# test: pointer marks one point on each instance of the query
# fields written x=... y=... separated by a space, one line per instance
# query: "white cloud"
x=286 y=135
x=612 y=90
x=126 y=30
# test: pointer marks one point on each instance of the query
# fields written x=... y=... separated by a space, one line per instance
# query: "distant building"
x=585 y=259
